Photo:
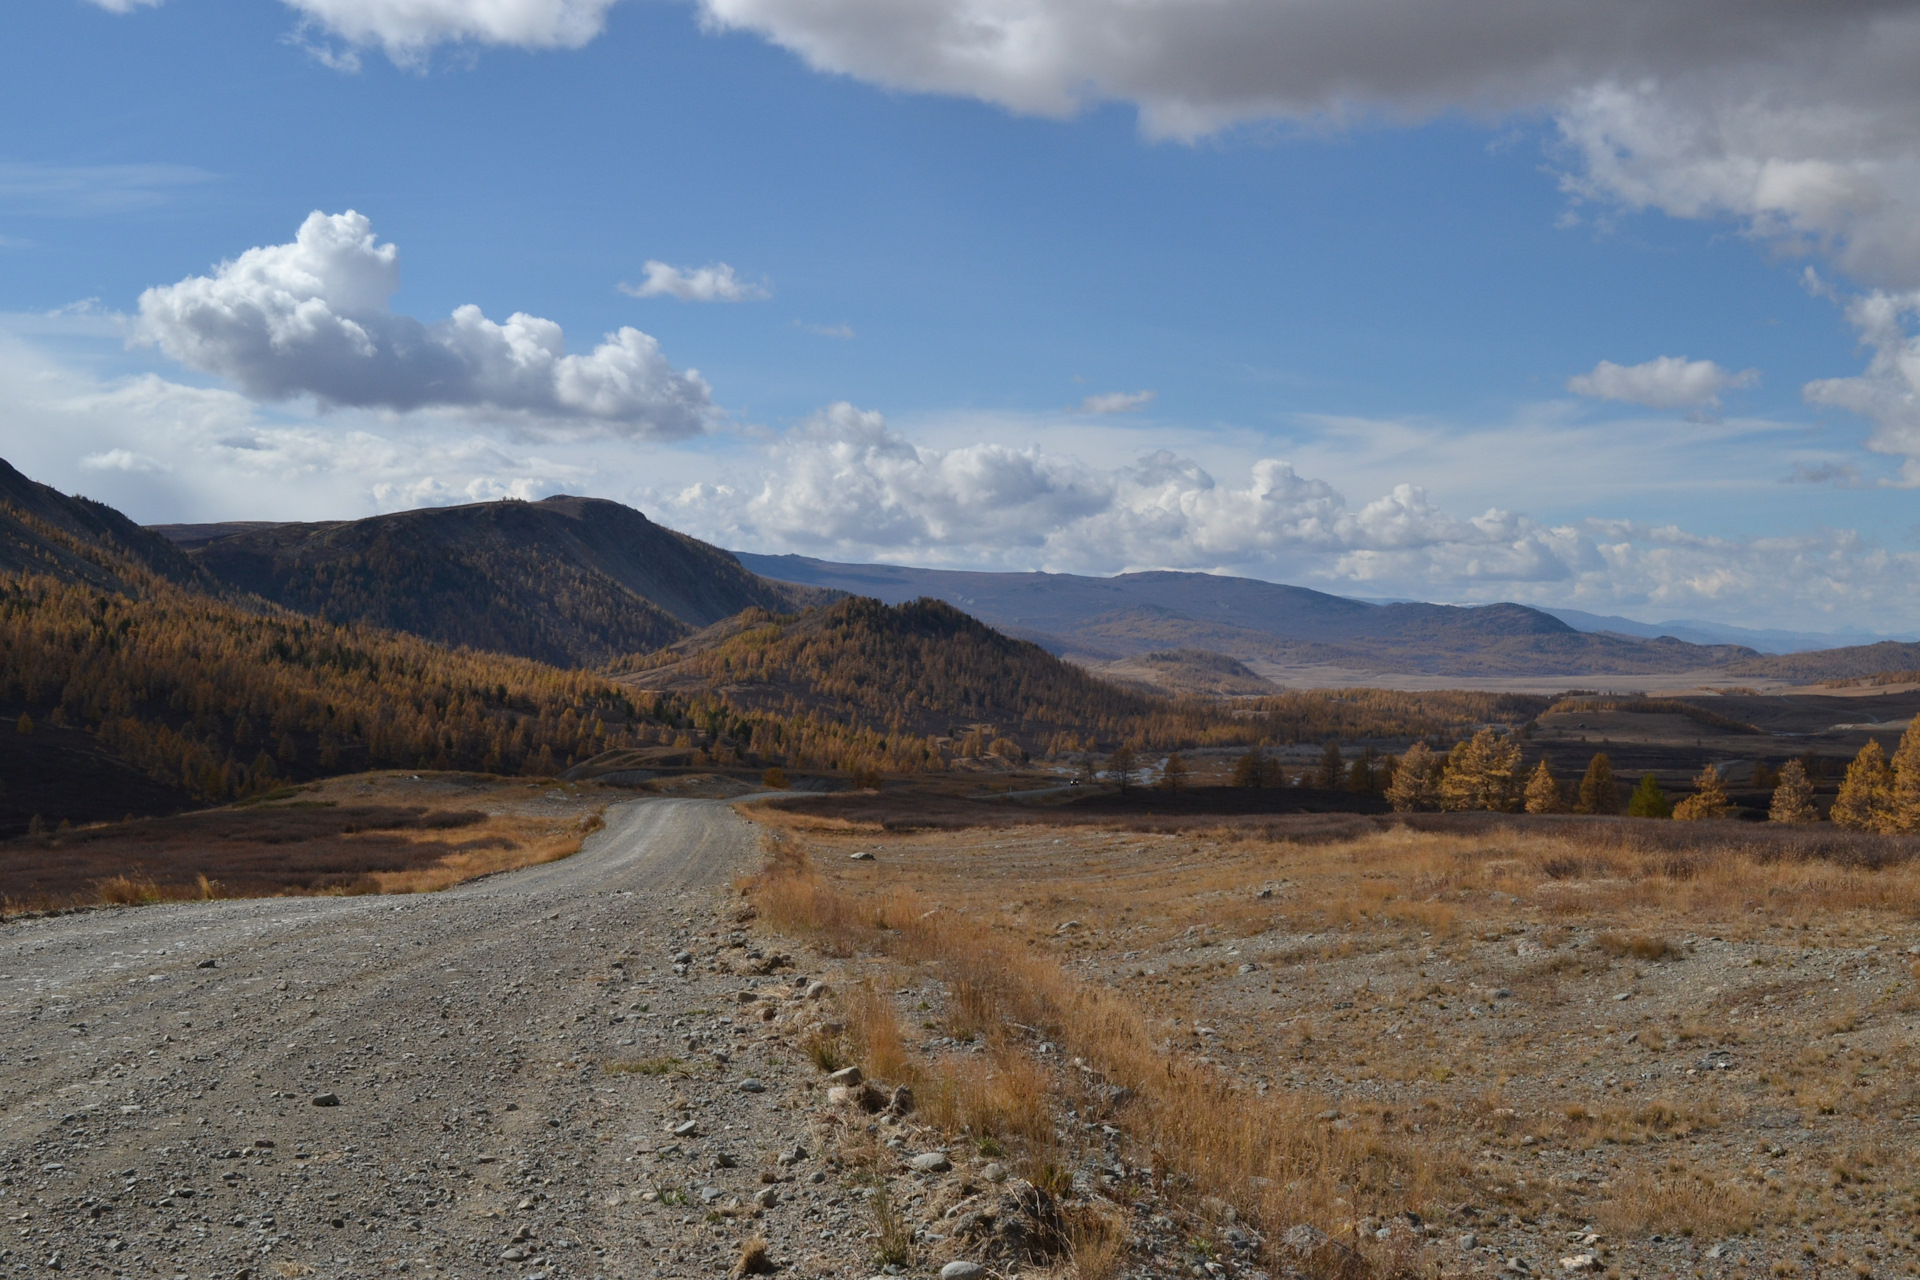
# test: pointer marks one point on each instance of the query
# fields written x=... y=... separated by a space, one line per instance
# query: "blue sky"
x=1369 y=283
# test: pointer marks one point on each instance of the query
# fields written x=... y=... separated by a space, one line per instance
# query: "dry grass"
x=1530 y=1017
x=1678 y=1200
x=1268 y=1156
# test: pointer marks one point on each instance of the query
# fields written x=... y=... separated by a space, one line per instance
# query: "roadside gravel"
x=510 y=1078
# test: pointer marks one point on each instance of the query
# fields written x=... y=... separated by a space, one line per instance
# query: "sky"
x=1613 y=307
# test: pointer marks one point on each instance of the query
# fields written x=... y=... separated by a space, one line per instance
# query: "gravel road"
x=367 y=1085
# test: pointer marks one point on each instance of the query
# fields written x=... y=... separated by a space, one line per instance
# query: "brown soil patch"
x=372 y=833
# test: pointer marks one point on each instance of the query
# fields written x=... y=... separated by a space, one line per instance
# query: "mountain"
x=1098 y=620
x=569 y=581
x=915 y=669
x=1851 y=663
x=1695 y=631
x=78 y=540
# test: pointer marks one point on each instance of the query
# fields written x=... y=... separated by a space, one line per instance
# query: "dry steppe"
x=1483 y=1046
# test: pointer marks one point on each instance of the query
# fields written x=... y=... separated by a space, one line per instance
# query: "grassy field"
x=1642 y=1048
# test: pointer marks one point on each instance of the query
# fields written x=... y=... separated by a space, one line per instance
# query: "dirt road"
x=356 y=1086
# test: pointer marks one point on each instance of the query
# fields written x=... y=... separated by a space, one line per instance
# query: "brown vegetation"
x=1417 y=1013
x=378 y=834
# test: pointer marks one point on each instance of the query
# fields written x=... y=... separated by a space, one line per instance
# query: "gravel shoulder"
x=485 y=1081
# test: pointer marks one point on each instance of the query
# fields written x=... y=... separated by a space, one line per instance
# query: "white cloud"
x=1666 y=382
x=1888 y=393
x=1116 y=402
x=407 y=29
x=844 y=331
x=847 y=486
x=125 y=6
x=121 y=460
x=311 y=318
x=716 y=283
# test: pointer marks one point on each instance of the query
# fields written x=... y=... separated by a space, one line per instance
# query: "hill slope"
x=1854 y=662
x=1101 y=619
x=918 y=669
x=570 y=581
x=78 y=540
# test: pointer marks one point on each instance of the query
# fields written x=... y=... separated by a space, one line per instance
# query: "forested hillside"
x=44 y=531
x=569 y=581
x=924 y=669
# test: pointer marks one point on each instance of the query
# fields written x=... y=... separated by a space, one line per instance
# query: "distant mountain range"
x=1695 y=631
x=1101 y=620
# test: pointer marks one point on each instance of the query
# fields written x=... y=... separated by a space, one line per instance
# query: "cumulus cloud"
x=1116 y=402
x=1666 y=382
x=1887 y=394
x=848 y=486
x=311 y=318
x=716 y=283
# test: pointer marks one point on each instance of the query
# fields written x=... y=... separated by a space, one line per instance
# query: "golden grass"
x=1401 y=930
x=1678 y=1200
x=1270 y=1157
x=502 y=843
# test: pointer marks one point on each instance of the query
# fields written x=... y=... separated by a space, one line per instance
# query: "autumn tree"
x=1121 y=766
x=1793 y=797
x=1416 y=786
x=1249 y=768
x=1482 y=773
x=1865 y=802
x=1903 y=801
x=1543 y=791
x=1173 y=774
x=1598 y=791
x=1708 y=801
x=1648 y=800
x=1333 y=766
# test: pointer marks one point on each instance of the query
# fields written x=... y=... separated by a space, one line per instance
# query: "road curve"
x=159 y=1065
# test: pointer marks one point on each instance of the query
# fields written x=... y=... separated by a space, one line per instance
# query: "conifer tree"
x=1121 y=767
x=1648 y=800
x=1415 y=789
x=1598 y=791
x=1708 y=801
x=1332 y=768
x=1866 y=793
x=1543 y=791
x=1903 y=800
x=1248 y=769
x=1173 y=775
x=1793 y=798
x=1482 y=773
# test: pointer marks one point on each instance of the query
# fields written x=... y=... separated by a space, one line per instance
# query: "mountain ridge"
x=567 y=580
x=1104 y=620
